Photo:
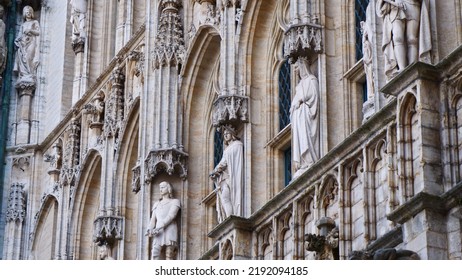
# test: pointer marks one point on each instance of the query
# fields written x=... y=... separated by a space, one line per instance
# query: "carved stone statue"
x=2 y=41
x=326 y=247
x=384 y=254
x=228 y=176
x=304 y=119
x=366 y=29
x=104 y=252
x=163 y=226
x=27 y=42
x=406 y=33
x=78 y=17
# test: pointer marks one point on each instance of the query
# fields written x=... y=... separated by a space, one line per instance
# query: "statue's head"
x=231 y=131
x=166 y=187
x=28 y=9
x=303 y=67
x=2 y=11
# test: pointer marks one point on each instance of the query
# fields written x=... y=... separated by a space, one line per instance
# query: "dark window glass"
x=360 y=15
x=284 y=95
x=217 y=147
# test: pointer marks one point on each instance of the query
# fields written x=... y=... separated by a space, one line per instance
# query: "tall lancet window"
x=284 y=95
x=360 y=15
x=217 y=147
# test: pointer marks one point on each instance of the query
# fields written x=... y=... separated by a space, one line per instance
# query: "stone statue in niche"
x=163 y=227
x=105 y=252
x=406 y=33
x=304 y=119
x=78 y=18
x=366 y=29
x=27 y=42
x=2 y=41
x=228 y=176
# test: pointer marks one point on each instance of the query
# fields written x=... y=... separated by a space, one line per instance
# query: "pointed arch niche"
x=128 y=200
x=44 y=244
x=85 y=208
x=200 y=86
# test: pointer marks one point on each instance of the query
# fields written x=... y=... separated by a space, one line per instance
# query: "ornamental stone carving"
x=16 y=207
x=136 y=175
x=108 y=229
x=326 y=243
x=96 y=109
x=169 y=48
x=71 y=156
x=303 y=33
x=230 y=109
x=300 y=40
x=54 y=159
x=138 y=57
x=114 y=111
x=21 y=163
x=166 y=160
x=384 y=254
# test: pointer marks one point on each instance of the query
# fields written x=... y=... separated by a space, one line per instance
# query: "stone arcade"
x=231 y=129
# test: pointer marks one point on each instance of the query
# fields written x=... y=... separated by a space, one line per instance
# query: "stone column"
x=26 y=93
x=166 y=151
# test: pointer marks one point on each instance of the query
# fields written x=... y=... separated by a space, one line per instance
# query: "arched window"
x=217 y=147
x=360 y=15
x=284 y=95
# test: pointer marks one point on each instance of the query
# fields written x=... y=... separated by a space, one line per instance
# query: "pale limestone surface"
x=388 y=177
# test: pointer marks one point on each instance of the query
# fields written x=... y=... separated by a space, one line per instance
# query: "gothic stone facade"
x=130 y=93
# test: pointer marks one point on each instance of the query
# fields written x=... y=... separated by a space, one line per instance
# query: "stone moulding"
x=108 y=229
x=415 y=205
x=229 y=224
x=166 y=160
x=229 y=109
x=301 y=39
